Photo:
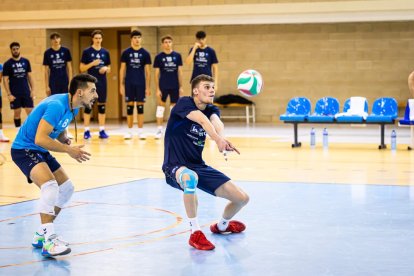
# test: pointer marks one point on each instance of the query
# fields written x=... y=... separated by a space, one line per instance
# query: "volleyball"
x=250 y=83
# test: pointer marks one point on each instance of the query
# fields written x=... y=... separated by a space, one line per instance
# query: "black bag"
x=231 y=98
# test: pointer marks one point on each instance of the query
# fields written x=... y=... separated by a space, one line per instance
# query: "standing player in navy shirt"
x=168 y=79
x=19 y=83
x=3 y=138
x=204 y=58
x=190 y=120
x=134 y=81
x=57 y=61
x=96 y=61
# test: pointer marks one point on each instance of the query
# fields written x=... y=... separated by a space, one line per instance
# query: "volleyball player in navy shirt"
x=96 y=61
x=168 y=79
x=134 y=81
x=204 y=58
x=58 y=67
x=190 y=120
x=19 y=83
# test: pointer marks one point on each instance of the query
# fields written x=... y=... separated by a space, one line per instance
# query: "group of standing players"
x=191 y=119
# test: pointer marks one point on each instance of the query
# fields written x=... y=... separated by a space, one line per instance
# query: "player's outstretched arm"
x=219 y=127
x=198 y=117
x=42 y=139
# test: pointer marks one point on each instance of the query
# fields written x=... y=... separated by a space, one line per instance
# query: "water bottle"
x=325 y=138
x=393 y=140
x=312 y=138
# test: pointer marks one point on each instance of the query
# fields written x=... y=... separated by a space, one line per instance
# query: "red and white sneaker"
x=233 y=227
x=200 y=242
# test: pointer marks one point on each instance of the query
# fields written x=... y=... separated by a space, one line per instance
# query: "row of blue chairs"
x=384 y=110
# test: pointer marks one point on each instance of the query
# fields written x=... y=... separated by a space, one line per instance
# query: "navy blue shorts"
x=101 y=90
x=173 y=93
x=58 y=88
x=209 y=179
x=134 y=93
x=26 y=159
x=24 y=101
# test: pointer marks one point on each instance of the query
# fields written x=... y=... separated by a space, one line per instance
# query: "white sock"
x=1 y=132
x=222 y=224
x=48 y=230
x=140 y=130
x=194 y=224
x=101 y=128
x=86 y=128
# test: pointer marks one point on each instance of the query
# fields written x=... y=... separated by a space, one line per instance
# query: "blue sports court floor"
x=139 y=228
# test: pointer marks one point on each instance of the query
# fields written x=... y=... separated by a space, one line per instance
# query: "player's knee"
x=244 y=199
x=87 y=110
x=130 y=110
x=101 y=108
x=65 y=193
x=188 y=181
x=160 y=111
x=49 y=192
x=140 y=109
x=17 y=122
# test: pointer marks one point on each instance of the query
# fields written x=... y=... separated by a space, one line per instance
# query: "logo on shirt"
x=197 y=130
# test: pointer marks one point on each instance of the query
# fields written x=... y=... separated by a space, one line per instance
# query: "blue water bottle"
x=312 y=138
x=393 y=140
x=325 y=138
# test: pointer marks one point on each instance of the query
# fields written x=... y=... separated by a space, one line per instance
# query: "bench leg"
x=411 y=146
x=296 y=144
x=382 y=145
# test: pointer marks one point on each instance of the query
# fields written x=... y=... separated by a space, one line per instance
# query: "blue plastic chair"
x=325 y=110
x=406 y=120
x=384 y=110
x=352 y=118
x=297 y=110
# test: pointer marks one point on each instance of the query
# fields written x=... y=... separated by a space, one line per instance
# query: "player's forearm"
x=69 y=70
x=85 y=67
x=50 y=144
x=210 y=129
x=190 y=57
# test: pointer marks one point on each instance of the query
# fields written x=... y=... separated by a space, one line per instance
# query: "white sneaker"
x=4 y=138
x=142 y=136
x=158 y=134
x=54 y=247
x=128 y=136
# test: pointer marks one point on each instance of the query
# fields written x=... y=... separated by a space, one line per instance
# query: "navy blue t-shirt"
x=203 y=59
x=184 y=139
x=135 y=61
x=57 y=60
x=17 y=71
x=89 y=55
x=168 y=65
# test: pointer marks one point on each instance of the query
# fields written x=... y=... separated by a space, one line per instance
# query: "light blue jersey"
x=55 y=110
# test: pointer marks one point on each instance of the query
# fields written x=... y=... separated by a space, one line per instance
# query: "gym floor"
x=347 y=210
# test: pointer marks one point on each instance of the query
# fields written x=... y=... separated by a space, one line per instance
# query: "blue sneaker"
x=87 y=135
x=38 y=240
x=103 y=135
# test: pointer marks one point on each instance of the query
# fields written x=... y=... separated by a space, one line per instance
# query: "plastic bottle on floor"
x=393 y=140
x=312 y=138
x=325 y=138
